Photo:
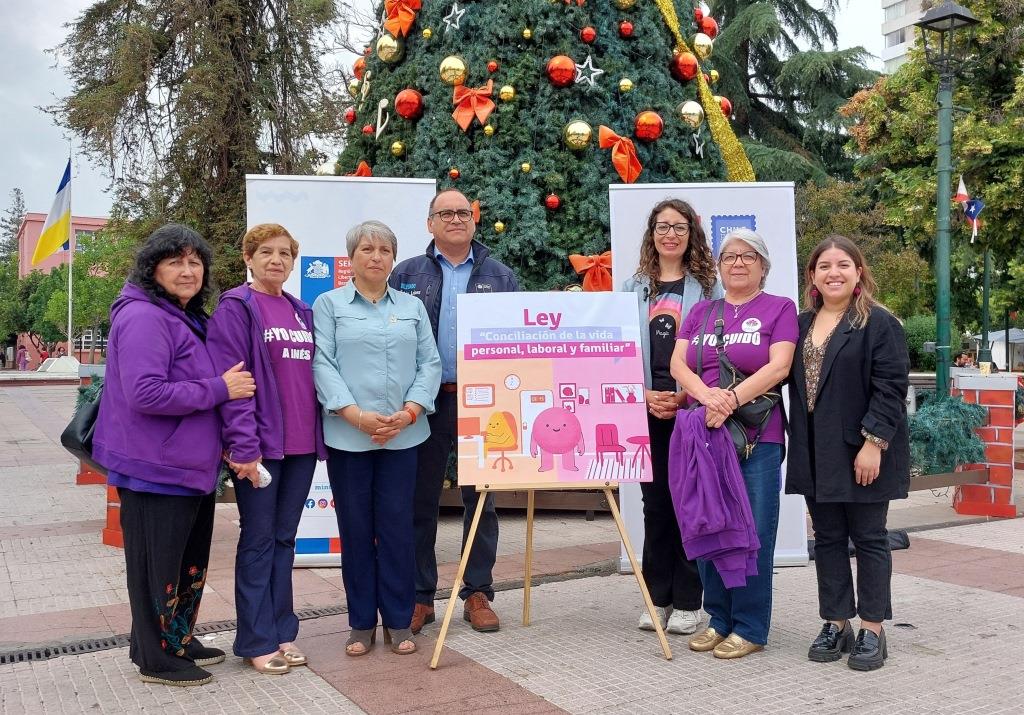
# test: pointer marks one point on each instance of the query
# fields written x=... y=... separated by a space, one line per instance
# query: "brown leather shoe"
x=479 y=613
x=422 y=614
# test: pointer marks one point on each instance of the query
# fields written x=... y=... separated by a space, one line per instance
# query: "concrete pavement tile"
x=382 y=682
x=20 y=631
x=107 y=682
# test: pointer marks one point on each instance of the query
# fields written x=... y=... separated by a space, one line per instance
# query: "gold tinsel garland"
x=737 y=165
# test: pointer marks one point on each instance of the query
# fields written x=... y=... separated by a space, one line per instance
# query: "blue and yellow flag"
x=58 y=223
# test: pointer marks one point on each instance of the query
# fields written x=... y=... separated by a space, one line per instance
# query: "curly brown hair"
x=697 y=260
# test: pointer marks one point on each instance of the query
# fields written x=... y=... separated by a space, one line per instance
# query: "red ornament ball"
x=726 y=106
x=350 y=116
x=685 y=66
x=648 y=126
x=698 y=15
x=492 y=66
x=626 y=28
x=552 y=201
x=561 y=70
x=709 y=26
x=588 y=34
x=454 y=173
x=359 y=68
x=368 y=129
x=409 y=104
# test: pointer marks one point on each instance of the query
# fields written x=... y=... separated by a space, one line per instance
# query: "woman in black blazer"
x=849 y=452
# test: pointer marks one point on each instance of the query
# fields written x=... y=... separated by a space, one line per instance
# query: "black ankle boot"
x=869 y=652
x=831 y=643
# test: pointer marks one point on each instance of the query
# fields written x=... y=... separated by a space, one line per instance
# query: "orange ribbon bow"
x=471 y=103
x=623 y=154
x=596 y=270
x=401 y=14
x=362 y=170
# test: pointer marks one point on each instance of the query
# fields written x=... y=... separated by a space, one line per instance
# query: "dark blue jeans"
x=433 y=459
x=747 y=611
x=373 y=498
x=269 y=518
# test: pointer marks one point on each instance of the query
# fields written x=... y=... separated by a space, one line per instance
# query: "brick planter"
x=996 y=393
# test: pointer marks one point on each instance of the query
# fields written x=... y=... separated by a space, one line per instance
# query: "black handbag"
x=753 y=414
x=77 y=436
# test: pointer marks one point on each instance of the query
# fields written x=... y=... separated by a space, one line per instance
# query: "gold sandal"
x=293 y=656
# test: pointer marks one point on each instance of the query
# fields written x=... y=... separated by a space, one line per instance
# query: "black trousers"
x=432 y=460
x=672 y=579
x=835 y=525
x=166 y=552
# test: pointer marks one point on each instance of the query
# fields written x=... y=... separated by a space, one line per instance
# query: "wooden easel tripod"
x=608 y=488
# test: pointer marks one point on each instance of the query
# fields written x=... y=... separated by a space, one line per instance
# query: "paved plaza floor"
x=955 y=644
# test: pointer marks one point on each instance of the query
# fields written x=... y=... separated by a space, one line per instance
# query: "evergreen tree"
x=182 y=100
x=545 y=78
x=10 y=223
x=786 y=98
x=894 y=131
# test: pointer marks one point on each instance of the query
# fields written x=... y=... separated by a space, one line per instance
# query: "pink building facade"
x=28 y=237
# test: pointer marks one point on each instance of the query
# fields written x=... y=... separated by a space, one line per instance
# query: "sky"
x=37 y=149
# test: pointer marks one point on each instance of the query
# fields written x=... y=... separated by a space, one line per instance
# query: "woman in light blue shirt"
x=376 y=370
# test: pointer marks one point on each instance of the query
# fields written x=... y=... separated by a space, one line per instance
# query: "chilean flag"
x=972 y=207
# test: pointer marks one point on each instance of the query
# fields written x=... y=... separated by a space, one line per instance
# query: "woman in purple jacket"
x=270 y=331
x=158 y=436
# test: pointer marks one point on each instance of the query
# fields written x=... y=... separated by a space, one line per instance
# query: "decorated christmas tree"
x=532 y=108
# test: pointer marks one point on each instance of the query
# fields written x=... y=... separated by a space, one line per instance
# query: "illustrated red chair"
x=607 y=438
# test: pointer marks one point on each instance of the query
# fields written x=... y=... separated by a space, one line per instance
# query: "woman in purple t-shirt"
x=270 y=331
x=760 y=334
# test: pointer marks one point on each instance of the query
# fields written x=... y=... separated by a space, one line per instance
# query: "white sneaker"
x=683 y=622
x=646 y=624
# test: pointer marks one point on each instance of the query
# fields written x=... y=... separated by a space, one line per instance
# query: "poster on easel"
x=551 y=390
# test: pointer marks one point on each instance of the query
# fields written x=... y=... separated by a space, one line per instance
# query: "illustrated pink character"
x=556 y=431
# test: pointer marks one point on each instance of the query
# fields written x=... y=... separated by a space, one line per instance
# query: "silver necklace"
x=736 y=308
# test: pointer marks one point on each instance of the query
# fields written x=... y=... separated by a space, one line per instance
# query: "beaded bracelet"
x=877 y=441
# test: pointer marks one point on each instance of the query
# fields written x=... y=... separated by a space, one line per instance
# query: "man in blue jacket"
x=453 y=263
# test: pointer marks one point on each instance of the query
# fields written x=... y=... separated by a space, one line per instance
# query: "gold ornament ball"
x=525 y=167
x=507 y=93
x=427 y=33
x=499 y=227
x=397 y=149
x=702 y=45
x=577 y=134
x=527 y=33
x=489 y=130
x=624 y=4
x=453 y=70
x=714 y=76
x=692 y=113
x=389 y=49
x=353 y=87
x=625 y=85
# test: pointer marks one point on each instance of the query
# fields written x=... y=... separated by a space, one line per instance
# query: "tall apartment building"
x=898 y=31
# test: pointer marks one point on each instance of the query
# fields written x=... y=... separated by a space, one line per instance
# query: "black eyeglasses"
x=748 y=258
x=447 y=215
x=680 y=229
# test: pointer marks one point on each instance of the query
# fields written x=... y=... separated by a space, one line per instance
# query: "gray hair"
x=755 y=241
x=372 y=230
